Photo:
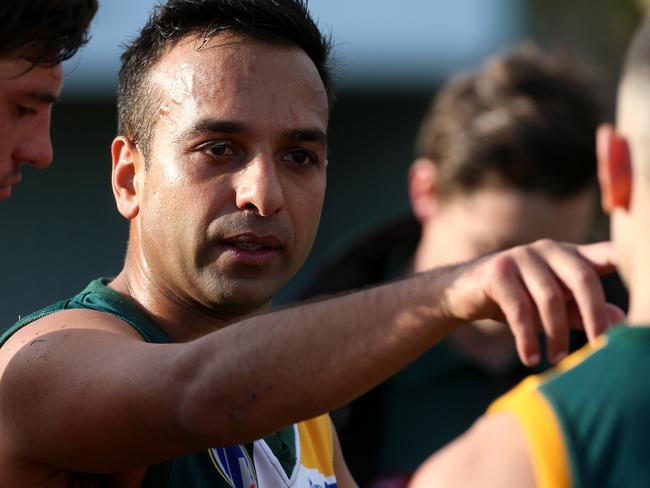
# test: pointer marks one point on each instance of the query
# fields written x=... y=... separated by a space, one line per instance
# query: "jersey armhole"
x=316 y=444
x=542 y=432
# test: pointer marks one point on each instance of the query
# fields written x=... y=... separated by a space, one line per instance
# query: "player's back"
x=587 y=422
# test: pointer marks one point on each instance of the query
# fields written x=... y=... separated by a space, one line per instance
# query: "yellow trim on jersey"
x=543 y=434
x=579 y=356
x=316 y=448
x=544 y=437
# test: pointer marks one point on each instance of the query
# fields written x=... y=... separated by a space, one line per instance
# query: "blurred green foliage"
x=598 y=30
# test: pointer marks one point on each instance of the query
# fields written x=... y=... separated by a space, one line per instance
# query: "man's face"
x=491 y=219
x=26 y=98
x=231 y=198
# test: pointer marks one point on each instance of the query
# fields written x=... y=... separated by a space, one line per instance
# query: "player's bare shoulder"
x=32 y=356
x=63 y=323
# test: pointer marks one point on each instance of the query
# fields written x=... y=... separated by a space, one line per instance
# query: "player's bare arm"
x=142 y=403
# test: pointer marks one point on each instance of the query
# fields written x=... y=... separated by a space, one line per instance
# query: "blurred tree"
x=598 y=30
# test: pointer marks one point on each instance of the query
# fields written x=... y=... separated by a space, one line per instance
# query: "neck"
x=426 y=254
x=633 y=265
x=639 y=288
x=179 y=318
x=487 y=344
x=433 y=250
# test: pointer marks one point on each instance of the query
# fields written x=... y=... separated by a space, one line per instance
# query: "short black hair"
x=44 y=32
x=279 y=22
x=527 y=120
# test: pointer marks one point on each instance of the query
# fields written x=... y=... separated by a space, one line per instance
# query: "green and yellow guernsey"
x=300 y=455
x=587 y=422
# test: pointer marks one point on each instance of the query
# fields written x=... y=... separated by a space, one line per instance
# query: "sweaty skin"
x=222 y=216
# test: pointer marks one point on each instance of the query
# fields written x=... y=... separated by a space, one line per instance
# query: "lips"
x=6 y=184
x=252 y=242
x=5 y=192
x=252 y=250
x=11 y=181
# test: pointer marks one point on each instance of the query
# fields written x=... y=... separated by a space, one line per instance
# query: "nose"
x=34 y=145
x=259 y=187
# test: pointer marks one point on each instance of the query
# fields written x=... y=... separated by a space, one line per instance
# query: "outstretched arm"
x=80 y=391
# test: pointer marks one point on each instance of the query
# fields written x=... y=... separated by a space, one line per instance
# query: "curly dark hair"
x=527 y=118
x=44 y=31
x=277 y=22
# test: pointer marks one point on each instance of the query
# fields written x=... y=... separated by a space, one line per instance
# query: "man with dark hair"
x=585 y=423
x=504 y=156
x=35 y=37
x=173 y=374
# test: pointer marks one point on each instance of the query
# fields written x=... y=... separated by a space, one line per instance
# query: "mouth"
x=5 y=186
x=252 y=249
x=5 y=192
x=253 y=242
x=12 y=180
x=5 y=189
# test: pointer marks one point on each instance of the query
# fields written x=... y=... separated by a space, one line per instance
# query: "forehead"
x=18 y=76
x=508 y=216
x=238 y=79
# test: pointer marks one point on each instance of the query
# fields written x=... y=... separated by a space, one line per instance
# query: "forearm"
x=265 y=372
x=277 y=368
x=76 y=376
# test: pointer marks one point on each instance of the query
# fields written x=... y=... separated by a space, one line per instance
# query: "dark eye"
x=24 y=110
x=220 y=148
x=301 y=157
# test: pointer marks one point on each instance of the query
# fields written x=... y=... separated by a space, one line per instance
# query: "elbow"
x=219 y=410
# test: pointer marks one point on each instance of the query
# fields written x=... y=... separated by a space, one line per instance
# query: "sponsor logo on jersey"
x=235 y=465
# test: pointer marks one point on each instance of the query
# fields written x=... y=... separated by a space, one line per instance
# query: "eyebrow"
x=213 y=126
x=306 y=135
x=43 y=97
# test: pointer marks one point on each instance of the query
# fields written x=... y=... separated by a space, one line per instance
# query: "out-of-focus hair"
x=526 y=120
x=44 y=32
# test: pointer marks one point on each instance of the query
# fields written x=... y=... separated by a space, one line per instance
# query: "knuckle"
x=501 y=267
x=550 y=296
x=584 y=276
x=545 y=244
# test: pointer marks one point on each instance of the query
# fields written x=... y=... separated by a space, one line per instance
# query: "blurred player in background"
x=585 y=423
x=504 y=156
x=35 y=37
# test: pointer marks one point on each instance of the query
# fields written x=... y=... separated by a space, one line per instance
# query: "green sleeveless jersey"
x=300 y=455
x=587 y=422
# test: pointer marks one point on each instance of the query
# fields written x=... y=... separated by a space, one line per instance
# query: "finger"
x=601 y=256
x=578 y=275
x=549 y=300
x=574 y=315
x=505 y=287
x=615 y=314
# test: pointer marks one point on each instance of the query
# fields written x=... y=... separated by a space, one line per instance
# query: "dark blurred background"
x=60 y=228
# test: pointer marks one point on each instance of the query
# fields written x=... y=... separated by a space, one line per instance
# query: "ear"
x=614 y=169
x=126 y=163
x=423 y=188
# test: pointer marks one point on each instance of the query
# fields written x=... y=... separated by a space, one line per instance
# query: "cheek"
x=4 y=121
x=463 y=239
x=306 y=205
